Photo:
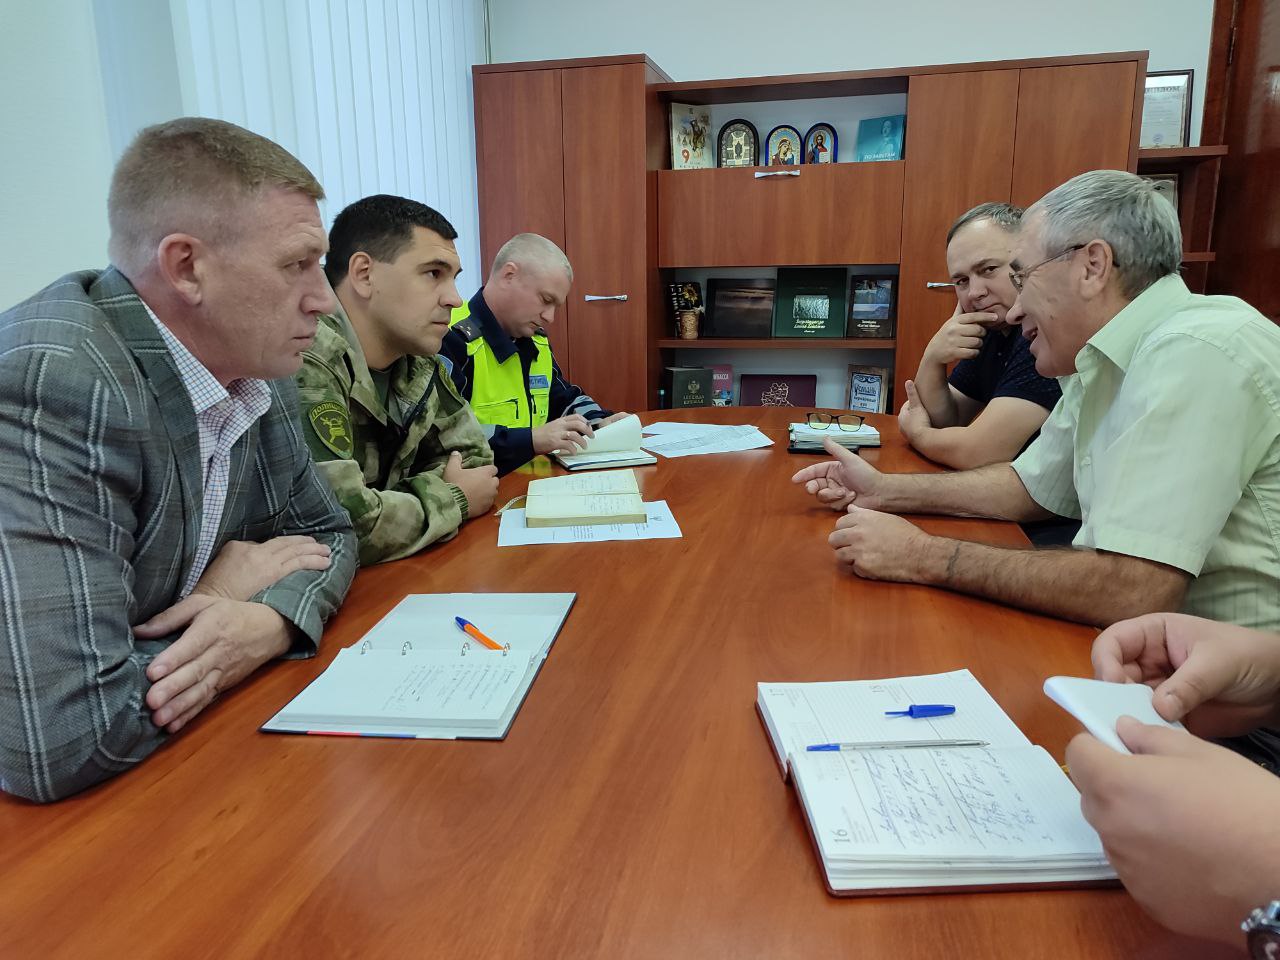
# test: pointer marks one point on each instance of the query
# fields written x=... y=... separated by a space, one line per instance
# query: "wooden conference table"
x=635 y=810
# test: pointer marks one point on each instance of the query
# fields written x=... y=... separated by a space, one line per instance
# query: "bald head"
x=531 y=251
x=529 y=281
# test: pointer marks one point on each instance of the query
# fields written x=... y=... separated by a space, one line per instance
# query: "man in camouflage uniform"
x=388 y=429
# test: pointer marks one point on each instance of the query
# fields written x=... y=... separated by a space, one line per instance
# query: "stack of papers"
x=690 y=439
x=946 y=817
x=805 y=438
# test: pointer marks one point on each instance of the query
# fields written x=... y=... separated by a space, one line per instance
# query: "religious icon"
x=739 y=144
x=820 y=144
x=783 y=146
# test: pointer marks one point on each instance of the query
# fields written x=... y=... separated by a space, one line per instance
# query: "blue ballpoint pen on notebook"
x=892 y=745
x=922 y=710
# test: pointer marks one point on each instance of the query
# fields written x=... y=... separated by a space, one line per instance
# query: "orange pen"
x=472 y=631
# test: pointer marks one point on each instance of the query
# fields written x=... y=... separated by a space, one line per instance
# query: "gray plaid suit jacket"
x=100 y=505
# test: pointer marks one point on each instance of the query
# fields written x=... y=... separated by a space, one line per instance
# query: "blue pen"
x=921 y=711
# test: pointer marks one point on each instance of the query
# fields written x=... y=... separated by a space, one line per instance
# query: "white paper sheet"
x=717 y=439
x=661 y=525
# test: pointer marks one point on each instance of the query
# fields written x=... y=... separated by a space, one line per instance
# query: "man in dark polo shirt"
x=994 y=402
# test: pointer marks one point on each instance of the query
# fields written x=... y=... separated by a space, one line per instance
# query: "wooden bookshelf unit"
x=975 y=132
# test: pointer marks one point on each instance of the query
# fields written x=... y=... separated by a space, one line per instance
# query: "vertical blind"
x=373 y=95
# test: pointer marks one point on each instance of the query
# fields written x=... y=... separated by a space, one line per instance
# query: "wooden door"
x=605 y=230
x=520 y=181
x=1247 y=231
x=959 y=153
x=1073 y=119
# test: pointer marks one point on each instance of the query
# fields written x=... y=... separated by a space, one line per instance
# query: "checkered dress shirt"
x=222 y=417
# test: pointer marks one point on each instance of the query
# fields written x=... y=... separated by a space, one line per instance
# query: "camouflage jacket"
x=387 y=465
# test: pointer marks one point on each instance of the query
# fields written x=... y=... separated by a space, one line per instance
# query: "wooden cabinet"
x=577 y=150
x=563 y=151
x=834 y=214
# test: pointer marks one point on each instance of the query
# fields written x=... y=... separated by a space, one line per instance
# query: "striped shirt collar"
x=202 y=386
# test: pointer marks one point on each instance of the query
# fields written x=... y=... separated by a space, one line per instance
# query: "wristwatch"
x=1262 y=932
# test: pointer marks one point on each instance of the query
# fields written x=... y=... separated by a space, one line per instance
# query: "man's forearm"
x=994 y=491
x=935 y=394
x=952 y=447
x=1081 y=585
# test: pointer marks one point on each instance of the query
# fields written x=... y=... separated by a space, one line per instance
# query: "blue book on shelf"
x=880 y=138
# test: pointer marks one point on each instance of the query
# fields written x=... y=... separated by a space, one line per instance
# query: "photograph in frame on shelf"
x=738 y=145
x=821 y=144
x=778 y=390
x=782 y=147
x=690 y=137
x=1166 y=185
x=880 y=138
x=868 y=389
x=1166 y=110
x=740 y=308
x=811 y=302
x=872 y=306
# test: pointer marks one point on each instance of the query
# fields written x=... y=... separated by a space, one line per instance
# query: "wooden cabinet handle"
x=617 y=296
x=931 y=285
x=776 y=173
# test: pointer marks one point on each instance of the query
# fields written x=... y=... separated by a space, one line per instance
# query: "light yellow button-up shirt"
x=1166 y=444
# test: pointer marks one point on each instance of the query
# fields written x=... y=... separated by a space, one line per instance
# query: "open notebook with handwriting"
x=923 y=819
x=418 y=675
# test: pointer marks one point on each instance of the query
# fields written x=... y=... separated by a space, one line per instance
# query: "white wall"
x=704 y=39
x=55 y=164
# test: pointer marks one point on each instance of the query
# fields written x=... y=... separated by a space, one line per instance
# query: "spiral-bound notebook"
x=417 y=675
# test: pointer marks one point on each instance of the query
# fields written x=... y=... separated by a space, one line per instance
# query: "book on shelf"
x=810 y=302
x=872 y=305
x=721 y=385
x=777 y=389
x=740 y=308
x=609 y=497
x=806 y=439
x=615 y=445
x=880 y=138
x=914 y=818
x=687 y=386
x=417 y=675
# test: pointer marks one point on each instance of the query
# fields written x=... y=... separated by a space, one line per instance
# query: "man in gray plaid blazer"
x=162 y=529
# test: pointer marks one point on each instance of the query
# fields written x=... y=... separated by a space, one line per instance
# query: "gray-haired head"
x=1003 y=214
x=1139 y=225
x=531 y=250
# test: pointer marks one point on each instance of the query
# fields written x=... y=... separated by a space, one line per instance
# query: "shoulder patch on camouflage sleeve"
x=332 y=424
x=468 y=329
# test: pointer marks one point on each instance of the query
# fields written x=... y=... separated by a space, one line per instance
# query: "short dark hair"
x=1003 y=214
x=381 y=226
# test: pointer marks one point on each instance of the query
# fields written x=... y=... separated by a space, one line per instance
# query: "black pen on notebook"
x=893 y=745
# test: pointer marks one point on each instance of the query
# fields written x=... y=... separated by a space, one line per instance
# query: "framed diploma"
x=1166 y=110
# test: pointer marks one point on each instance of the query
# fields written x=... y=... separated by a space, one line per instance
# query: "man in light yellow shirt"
x=1166 y=444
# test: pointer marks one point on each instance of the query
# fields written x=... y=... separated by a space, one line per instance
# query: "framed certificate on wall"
x=1166 y=110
